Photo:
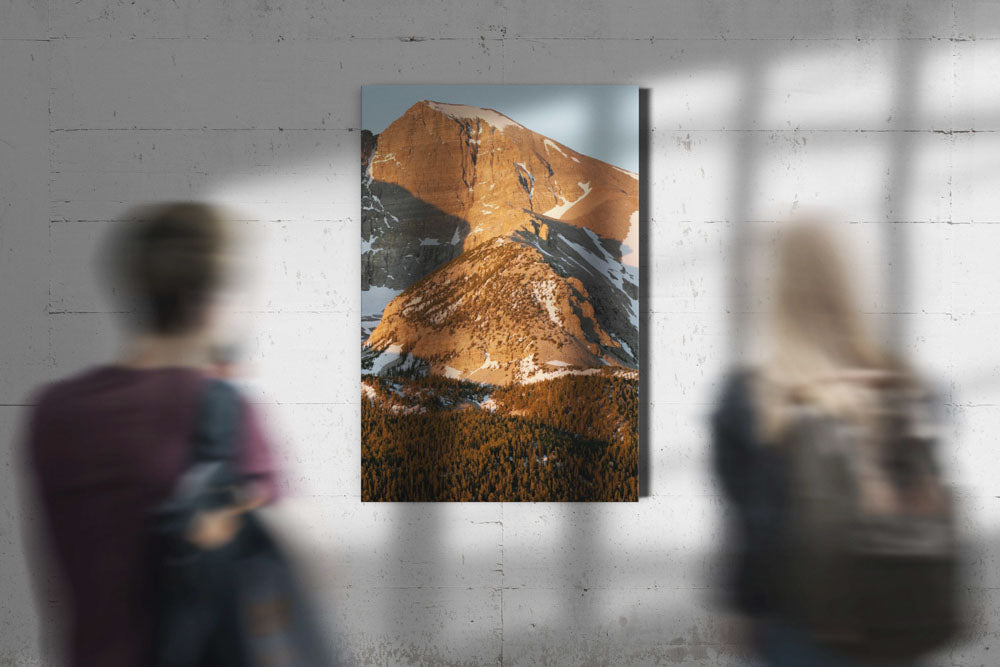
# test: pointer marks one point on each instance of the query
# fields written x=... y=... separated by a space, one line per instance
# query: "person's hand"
x=214 y=529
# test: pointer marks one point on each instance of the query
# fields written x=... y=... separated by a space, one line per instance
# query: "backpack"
x=237 y=605
x=871 y=567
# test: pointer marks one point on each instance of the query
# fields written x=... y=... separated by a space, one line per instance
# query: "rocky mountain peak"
x=492 y=253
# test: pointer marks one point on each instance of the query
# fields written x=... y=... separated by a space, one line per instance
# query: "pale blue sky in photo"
x=599 y=121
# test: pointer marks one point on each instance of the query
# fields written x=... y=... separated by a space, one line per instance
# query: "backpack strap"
x=216 y=431
x=210 y=480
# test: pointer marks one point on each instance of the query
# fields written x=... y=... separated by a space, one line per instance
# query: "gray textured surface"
x=886 y=111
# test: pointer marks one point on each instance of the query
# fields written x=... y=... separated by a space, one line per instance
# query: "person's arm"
x=255 y=464
x=732 y=429
x=256 y=459
x=739 y=466
x=45 y=577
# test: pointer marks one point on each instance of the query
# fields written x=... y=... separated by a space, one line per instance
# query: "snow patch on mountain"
x=371 y=202
x=545 y=293
x=368 y=324
x=605 y=263
x=551 y=144
x=387 y=157
x=368 y=391
x=630 y=246
x=407 y=409
x=631 y=174
x=558 y=211
x=392 y=358
x=542 y=376
x=590 y=255
x=526 y=178
x=442 y=313
x=529 y=372
x=391 y=354
x=625 y=346
x=489 y=363
x=462 y=112
x=375 y=299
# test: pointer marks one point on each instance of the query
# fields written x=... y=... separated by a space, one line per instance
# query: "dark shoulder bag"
x=239 y=604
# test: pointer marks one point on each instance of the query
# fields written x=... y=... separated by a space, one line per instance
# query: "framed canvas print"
x=499 y=293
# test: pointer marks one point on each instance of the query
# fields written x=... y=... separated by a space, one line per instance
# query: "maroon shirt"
x=105 y=447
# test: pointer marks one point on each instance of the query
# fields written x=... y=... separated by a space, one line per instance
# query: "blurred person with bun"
x=108 y=445
x=843 y=531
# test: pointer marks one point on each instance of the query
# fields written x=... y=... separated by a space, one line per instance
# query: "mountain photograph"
x=500 y=285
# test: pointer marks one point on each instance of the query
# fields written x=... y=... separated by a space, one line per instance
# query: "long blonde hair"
x=820 y=344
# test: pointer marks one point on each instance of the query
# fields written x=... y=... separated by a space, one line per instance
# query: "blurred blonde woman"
x=819 y=355
x=820 y=350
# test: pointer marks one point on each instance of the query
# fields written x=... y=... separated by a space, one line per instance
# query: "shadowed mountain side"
x=575 y=252
x=404 y=238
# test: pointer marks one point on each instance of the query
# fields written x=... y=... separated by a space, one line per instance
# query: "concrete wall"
x=886 y=112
